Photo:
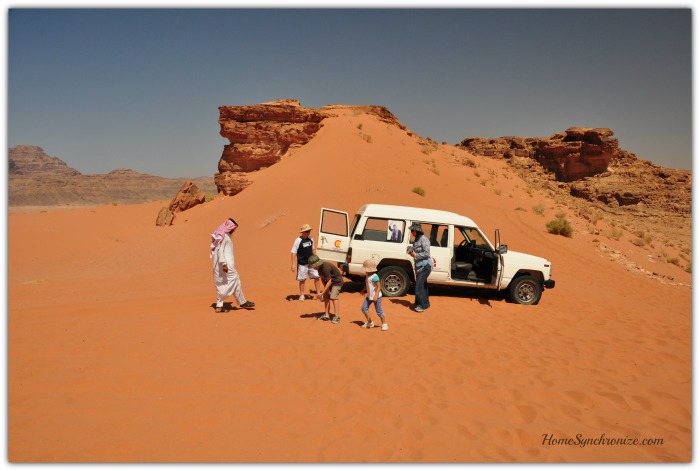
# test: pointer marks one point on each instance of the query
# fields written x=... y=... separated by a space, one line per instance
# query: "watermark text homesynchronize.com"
x=548 y=439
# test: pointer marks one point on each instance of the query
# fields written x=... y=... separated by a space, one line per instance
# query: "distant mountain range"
x=37 y=179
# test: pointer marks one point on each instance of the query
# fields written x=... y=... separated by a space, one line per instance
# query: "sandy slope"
x=115 y=353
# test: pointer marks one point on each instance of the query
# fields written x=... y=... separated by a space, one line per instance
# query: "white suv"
x=462 y=255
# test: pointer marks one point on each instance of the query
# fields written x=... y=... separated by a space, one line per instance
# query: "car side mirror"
x=502 y=249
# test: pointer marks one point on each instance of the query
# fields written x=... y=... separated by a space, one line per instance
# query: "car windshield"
x=472 y=234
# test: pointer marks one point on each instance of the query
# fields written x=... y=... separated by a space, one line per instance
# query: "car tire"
x=394 y=281
x=525 y=290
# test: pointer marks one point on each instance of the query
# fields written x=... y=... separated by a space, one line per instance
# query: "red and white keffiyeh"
x=218 y=236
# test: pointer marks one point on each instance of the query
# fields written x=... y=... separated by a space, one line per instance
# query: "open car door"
x=333 y=235
x=500 y=250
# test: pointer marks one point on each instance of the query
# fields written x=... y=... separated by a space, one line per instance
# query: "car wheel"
x=525 y=290
x=394 y=281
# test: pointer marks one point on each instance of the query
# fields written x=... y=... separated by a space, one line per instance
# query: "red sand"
x=116 y=354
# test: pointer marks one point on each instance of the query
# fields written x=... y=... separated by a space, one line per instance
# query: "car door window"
x=384 y=230
x=437 y=233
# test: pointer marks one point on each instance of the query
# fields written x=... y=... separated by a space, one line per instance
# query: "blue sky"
x=108 y=88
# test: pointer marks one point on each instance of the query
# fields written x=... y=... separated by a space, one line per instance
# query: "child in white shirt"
x=373 y=294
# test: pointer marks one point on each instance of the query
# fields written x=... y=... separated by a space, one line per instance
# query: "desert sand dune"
x=116 y=354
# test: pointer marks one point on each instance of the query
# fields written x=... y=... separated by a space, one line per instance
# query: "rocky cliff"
x=585 y=162
x=571 y=155
x=37 y=179
x=261 y=135
x=592 y=166
x=632 y=182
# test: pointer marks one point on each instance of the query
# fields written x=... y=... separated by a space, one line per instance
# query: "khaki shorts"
x=334 y=291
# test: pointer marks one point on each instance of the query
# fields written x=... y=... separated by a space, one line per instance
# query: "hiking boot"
x=247 y=305
x=369 y=325
x=385 y=326
x=419 y=309
x=324 y=317
x=335 y=320
x=302 y=297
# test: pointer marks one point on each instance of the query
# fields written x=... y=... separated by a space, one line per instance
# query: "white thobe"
x=227 y=283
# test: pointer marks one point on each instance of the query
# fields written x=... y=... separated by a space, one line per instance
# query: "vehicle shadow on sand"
x=482 y=296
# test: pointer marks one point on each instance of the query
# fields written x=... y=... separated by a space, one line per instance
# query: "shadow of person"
x=295 y=297
x=359 y=323
x=312 y=315
x=401 y=302
x=228 y=306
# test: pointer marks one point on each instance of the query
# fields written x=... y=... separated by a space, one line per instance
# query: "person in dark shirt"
x=302 y=249
x=332 y=281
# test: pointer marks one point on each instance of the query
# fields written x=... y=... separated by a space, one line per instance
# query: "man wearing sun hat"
x=302 y=249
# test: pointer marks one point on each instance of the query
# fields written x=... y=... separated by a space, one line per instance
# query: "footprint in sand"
x=464 y=432
x=529 y=443
x=573 y=412
x=617 y=399
x=643 y=402
x=581 y=399
x=527 y=413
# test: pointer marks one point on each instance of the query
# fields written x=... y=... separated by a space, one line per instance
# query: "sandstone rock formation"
x=187 y=197
x=36 y=179
x=577 y=153
x=260 y=135
x=589 y=164
x=634 y=182
x=165 y=217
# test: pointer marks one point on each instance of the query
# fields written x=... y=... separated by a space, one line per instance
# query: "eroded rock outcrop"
x=260 y=135
x=165 y=217
x=572 y=155
x=263 y=134
x=640 y=183
x=587 y=163
x=187 y=197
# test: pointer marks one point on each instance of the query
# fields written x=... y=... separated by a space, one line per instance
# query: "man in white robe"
x=226 y=278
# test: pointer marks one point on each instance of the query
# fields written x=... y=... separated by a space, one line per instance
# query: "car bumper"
x=549 y=284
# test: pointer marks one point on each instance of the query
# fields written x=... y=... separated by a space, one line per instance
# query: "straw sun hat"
x=369 y=266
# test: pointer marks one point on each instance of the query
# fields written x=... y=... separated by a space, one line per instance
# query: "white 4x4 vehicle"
x=462 y=255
